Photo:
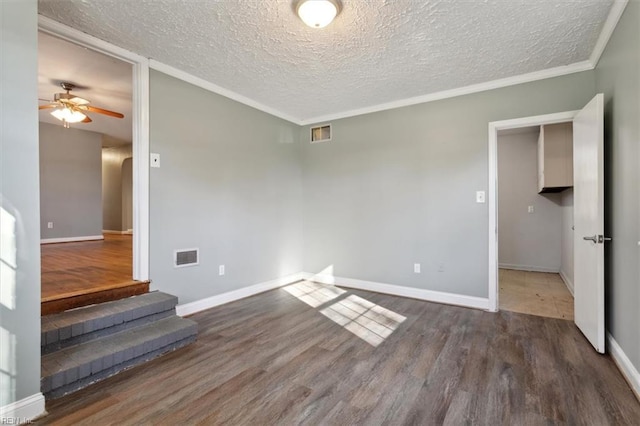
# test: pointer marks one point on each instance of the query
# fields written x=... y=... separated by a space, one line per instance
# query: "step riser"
x=102 y=332
x=101 y=374
x=94 y=322
x=83 y=346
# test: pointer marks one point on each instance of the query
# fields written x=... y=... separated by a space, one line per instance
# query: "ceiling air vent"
x=321 y=133
x=185 y=257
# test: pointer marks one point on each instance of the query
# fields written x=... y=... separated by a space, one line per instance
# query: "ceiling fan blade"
x=47 y=106
x=105 y=112
x=87 y=120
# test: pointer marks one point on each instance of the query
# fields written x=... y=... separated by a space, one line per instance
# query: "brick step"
x=93 y=322
x=76 y=367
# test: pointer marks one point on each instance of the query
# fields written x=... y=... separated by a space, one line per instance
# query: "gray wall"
x=566 y=266
x=230 y=184
x=618 y=77
x=20 y=223
x=70 y=182
x=112 y=188
x=527 y=241
x=397 y=187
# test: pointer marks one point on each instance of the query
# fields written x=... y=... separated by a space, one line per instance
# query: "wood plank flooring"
x=69 y=269
x=305 y=355
x=535 y=293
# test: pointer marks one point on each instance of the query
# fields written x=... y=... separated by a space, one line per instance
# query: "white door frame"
x=494 y=127
x=140 y=100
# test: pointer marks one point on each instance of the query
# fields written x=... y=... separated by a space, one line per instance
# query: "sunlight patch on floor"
x=370 y=322
x=313 y=294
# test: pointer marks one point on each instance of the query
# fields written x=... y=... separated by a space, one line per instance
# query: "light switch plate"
x=155 y=160
x=480 y=197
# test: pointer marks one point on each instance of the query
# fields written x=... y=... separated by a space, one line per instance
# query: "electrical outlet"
x=530 y=209
x=221 y=270
x=416 y=268
x=50 y=225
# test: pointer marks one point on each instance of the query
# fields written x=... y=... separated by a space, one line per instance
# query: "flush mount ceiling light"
x=318 y=13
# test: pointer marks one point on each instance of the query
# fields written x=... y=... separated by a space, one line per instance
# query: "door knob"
x=602 y=239
x=594 y=239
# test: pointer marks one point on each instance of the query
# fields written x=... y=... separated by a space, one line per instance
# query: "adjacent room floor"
x=535 y=293
x=69 y=269
x=313 y=354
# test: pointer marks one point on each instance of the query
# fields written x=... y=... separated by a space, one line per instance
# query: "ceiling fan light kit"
x=72 y=109
x=318 y=13
x=68 y=115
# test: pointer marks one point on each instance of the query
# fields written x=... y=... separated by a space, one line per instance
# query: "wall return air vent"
x=321 y=133
x=186 y=257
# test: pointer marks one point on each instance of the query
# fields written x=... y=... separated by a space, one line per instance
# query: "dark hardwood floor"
x=82 y=273
x=315 y=355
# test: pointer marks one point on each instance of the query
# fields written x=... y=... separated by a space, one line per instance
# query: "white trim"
x=529 y=268
x=626 y=367
x=23 y=411
x=71 y=239
x=211 y=87
x=221 y=299
x=494 y=126
x=396 y=290
x=467 y=90
x=141 y=171
x=140 y=100
x=60 y=30
x=567 y=282
x=607 y=30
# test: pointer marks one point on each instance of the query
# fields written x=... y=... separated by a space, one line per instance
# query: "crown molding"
x=211 y=87
x=467 y=90
x=607 y=30
x=72 y=35
x=609 y=26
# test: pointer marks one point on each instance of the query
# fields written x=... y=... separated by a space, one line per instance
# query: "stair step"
x=75 y=367
x=91 y=322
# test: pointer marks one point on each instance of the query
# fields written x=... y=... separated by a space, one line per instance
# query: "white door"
x=588 y=181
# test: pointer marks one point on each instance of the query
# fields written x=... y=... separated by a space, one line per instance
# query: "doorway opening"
x=588 y=212
x=94 y=174
x=525 y=263
x=535 y=220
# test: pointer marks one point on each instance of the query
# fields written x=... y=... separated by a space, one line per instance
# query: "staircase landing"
x=98 y=294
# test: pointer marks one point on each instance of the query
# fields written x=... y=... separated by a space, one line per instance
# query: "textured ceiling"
x=103 y=80
x=376 y=51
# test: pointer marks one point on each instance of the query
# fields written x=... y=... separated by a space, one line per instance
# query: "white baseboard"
x=624 y=364
x=567 y=282
x=528 y=268
x=23 y=411
x=71 y=239
x=127 y=232
x=221 y=299
x=396 y=290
